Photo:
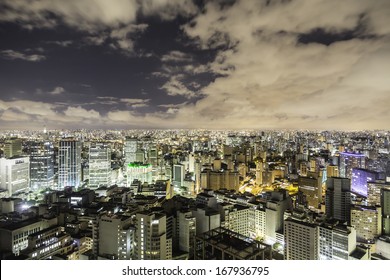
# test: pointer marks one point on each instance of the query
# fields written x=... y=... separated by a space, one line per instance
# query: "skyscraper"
x=385 y=204
x=42 y=166
x=99 y=165
x=69 y=163
x=13 y=147
x=131 y=145
x=338 y=199
x=360 y=177
x=349 y=161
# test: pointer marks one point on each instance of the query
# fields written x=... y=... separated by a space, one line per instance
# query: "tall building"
x=178 y=175
x=360 y=177
x=374 y=192
x=186 y=228
x=42 y=166
x=117 y=237
x=259 y=172
x=69 y=163
x=311 y=187
x=367 y=220
x=348 y=161
x=301 y=240
x=99 y=165
x=13 y=147
x=131 y=146
x=344 y=242
x=385 y=204
x=14 y=174
x=151 y=236
x=338 y=199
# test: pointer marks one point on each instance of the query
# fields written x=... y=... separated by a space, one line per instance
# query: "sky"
x=249 y=64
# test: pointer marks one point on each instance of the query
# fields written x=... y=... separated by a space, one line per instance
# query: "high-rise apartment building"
x=117 y=237
x=69 y=163
x=151 y=236
x=301 y=240
x=367 y=220
x=99 y=165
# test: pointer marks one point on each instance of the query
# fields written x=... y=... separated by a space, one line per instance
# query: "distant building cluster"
x=195 y=194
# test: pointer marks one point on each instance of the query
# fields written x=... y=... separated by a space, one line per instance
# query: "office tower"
x=311 y=187
x=14 y=174
x=117 y=237
x=13 y=147
x=42 y=166
x=348 y=161
x=99 y=165
x=69 y=163
x=151 y=236
x=367 y=220
x=131 y=146
x=301 y=240
x=385 y=204
x=139 y=171
x=178 y=175
x=360 y=177
x=338 y=199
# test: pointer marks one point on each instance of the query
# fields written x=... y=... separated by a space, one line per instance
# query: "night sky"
x=123 y=64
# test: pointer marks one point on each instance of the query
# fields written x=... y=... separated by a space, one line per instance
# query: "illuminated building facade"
x=99 y=165
x=139 y=171
x=69 y=163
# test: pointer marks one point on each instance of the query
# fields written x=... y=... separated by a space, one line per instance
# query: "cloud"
x=13 y=55
x=174 y=87
x=135 y=102
x=168 y=9
x=65 y=43
x=176 y=56
x=81 y=113
x=57 y=90
x=268 y=79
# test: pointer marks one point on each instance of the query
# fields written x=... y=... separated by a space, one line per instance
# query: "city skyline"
x=195 y=64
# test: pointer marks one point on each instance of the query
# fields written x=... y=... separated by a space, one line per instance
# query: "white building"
x=69 y=163
x=117 y=237
x=14 y=174
x=99 y=165
x=151 y=237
